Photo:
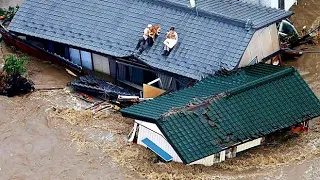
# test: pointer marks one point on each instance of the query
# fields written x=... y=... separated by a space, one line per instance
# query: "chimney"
x=192 y=3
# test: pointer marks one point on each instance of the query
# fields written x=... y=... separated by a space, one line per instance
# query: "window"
x=81 y=58
x=287 y=28
x=75 y=56
x=134 y=75
x=281 y=4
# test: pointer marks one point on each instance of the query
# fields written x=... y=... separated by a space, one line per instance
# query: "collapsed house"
x=224 y=114
x=101 y=35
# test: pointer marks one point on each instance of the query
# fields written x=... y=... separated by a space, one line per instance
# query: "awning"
x=160 y=152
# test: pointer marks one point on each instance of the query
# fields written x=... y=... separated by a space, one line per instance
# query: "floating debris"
x=98 y=87
x=15 y=85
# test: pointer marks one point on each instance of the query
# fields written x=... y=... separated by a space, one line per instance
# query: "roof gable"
x=208 y=41
x=247 y=104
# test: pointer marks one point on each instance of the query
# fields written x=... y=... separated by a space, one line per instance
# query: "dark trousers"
x=150 y=41
x=143 y=41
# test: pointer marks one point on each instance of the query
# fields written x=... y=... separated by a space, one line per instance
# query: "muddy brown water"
x=32 y=147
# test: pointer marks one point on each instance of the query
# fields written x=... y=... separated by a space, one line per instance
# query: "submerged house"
x=280 y=4
x=224 y=114
x=101 y=35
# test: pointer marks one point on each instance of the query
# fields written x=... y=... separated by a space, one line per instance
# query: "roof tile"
x=113 y=28
x=236 y=107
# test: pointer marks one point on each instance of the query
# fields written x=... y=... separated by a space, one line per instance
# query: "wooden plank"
x=151 y=92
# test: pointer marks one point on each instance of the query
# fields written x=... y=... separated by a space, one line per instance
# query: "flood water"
x=309 y=67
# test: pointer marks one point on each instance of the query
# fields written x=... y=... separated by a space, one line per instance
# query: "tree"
x=13 y=83
x=14 y=66
x=8 y=14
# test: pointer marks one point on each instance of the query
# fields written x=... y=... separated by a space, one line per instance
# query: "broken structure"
x=98 y=87
x=224 y=114
x=101 y=36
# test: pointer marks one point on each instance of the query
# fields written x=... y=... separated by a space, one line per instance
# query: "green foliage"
x=9 y=13
x=14 y=66
x=2 y=12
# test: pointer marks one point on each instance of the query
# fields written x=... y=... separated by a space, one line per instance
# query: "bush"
x=9 y=13
x=14 y=66
x=13 y=83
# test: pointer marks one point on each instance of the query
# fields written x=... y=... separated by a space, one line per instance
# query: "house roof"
x=229 y=108
x=210 y=38
x=234 y=9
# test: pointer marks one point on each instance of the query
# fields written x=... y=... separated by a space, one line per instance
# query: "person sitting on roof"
x=154 y=33
x=144 y=39
x=170 y=42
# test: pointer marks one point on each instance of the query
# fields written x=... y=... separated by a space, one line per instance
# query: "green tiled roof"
x=228 y=109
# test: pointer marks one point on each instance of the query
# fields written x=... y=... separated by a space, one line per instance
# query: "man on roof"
x=170 y=42
x=144 y=39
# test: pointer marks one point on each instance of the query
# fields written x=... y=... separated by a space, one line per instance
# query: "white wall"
x=207 y=161
x=152 y=132
x=248 y=145
x=263 y=43
x=267 y=3
x=272 y=3
x=289 y=3
x=158 y=139
x=151 y=126
x=101 y=63
x=210 y=160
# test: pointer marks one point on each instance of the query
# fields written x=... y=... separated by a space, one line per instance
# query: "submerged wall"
x=152 y=132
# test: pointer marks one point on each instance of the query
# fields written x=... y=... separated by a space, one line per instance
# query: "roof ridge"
x=263 y=80
x=192 y=105
x=217 y=16
x=196 y=103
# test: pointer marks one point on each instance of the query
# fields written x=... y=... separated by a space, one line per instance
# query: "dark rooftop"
x=210 y=38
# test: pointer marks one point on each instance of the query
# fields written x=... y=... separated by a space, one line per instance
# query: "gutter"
x=268 y=23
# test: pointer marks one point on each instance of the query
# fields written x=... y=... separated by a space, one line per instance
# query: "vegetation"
x=15 y=66
x=9 y=13
x=11 y=81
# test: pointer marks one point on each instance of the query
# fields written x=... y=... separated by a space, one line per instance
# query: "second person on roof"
x=170 y=42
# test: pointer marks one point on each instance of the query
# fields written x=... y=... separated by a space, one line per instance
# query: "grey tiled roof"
x=207 y=42
x=234 y=9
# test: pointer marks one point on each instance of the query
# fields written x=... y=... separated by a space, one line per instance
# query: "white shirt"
x=146 y=33
x=171 y=42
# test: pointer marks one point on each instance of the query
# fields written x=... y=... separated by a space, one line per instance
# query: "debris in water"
x=15 y=85
x=98 y=87
x=84 y=125
x=75 y=117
